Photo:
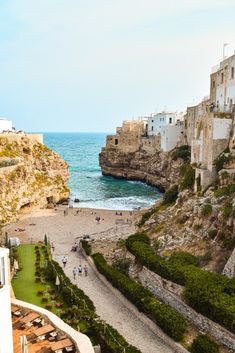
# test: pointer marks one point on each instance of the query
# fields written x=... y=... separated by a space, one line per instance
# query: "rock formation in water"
x=30 y=175
x=158 y=169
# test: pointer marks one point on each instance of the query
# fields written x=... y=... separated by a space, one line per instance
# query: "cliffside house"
x=169 y=126
x=209 y=124
x=5 y=125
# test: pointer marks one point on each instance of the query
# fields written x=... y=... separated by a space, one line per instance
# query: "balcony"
x=226 y=108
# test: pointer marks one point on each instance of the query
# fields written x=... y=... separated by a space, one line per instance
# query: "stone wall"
x=229 y=268
x=170 y=293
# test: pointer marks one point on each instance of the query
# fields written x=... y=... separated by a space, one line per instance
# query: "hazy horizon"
x=86 y=66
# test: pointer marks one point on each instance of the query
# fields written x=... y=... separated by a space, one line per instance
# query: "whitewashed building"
x=6 y=341
x=169 y=126
x=5 y=125
x=171 y=135
x=157 y=121
x=222 y=87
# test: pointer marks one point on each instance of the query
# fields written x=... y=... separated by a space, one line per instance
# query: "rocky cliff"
x=30 y=175
x=158 y=169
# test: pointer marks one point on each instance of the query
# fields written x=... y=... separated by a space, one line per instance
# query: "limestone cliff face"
x=30 y=175
x=158 y=169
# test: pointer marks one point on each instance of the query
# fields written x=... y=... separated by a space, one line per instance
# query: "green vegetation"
x=87 y=247
x=227 y=209
x=222 y=159
x=167 y=318
x=10 y=150
x=187 y=175
x=26 y=277
x=225 y=191
x=170 y=195
x=206 y=210
x=204 y=344
x=67 y=301
x=209 y=293
x=182 y=152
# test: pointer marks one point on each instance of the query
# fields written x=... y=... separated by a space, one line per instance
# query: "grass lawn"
x=24 y=286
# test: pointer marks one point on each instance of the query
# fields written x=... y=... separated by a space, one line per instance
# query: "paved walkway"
x=115 y=309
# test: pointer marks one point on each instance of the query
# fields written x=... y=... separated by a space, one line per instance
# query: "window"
x=232 y=73
x=116 y=142
x=170 y=120
x=152 y=121
x=222 y=77
x=152 y=128
x=213 y=84
x=2 y=272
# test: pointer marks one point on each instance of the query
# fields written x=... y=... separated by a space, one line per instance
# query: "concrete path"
x=116 y=310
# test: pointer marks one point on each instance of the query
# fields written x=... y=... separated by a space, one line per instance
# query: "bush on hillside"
x=173 y=323
x=170 y=195
x=187 y=177
x=204 y=344
x=182 y=152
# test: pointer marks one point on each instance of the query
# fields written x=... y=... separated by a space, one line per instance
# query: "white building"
x=171 y=135
x=5 y=125
x=6 y=341
x=223 y=85
x=157 y=121
x=169 y=126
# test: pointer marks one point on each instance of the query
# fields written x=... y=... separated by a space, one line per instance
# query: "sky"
x=86 y=65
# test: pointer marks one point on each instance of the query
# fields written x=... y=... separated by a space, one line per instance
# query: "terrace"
x=44 y=331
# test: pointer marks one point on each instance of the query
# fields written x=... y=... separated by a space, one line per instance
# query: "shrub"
x=206 y=209
x=87 y=247
x=49 y=306
x=204 y=344
x=187 y=177
x=44 y=300
x=167 y=318
x=40 y=292
x=182 y=152
x=171 y=195
x=205 y=291
x=221 y=160
x=212 y=233
x=227 y=209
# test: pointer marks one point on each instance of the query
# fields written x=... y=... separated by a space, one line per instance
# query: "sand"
x=63 y=230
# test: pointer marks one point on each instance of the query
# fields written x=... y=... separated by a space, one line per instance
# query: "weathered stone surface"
x=157 y=169
x=36 y=176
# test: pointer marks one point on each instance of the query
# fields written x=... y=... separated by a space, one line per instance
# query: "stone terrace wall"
x=169 y=293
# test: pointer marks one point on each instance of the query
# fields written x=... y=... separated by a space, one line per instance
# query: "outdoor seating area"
x=41 y=335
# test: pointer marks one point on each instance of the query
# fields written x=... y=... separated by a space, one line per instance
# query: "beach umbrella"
x=57 y=281
x=16 y=265
x=23 y=344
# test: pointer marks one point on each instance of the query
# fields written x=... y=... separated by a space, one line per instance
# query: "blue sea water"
x=81 y=152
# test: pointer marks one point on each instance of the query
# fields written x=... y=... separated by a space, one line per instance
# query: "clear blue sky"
x=85 y=65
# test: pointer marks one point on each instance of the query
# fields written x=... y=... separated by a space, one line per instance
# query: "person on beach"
x=74 y=273
x=86 y=270
x=64 y=261
x=80 y=270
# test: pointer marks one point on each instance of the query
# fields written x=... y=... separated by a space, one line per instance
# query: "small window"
x=116 y=142
x=232 y=73
x=170 y=120
x=152 y=128
x=213 y=84
x=152 y=121
x=222 y=77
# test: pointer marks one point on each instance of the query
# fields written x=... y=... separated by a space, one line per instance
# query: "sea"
x=81 y=152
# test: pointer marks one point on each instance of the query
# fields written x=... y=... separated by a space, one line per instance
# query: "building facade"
x=5 y=125
x=6 y=341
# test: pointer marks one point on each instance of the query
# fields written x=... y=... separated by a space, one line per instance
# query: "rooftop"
x=41 y=334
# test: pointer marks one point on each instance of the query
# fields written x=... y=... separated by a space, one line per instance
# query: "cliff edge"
x=158 y=169
x=30 y=175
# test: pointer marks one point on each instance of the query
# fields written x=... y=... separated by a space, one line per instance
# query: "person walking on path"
x=64 y=261
x=74 y=273
x=80 y=270
x=86 y=270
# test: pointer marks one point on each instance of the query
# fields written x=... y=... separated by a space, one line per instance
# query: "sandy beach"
x=64 y=225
